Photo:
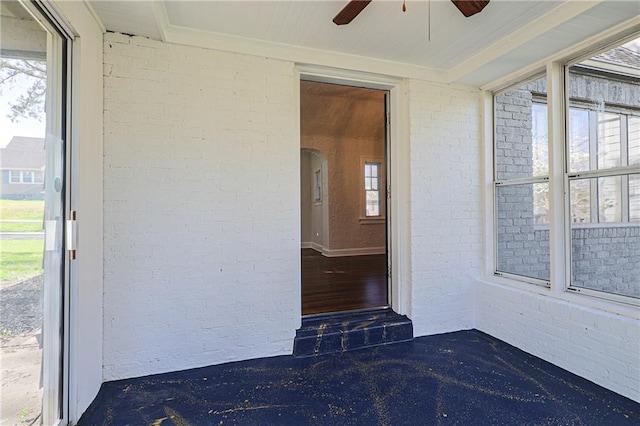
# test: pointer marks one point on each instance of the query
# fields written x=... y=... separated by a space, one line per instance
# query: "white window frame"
x=557 y=103
x=31 y=174
x=594 y=172
x=372 y=188
x=364 y=219
x=13 y=179
x=595 y=219
x=532 y=180
x=37 y=177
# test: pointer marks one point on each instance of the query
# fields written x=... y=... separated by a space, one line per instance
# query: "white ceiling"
x=505 y=37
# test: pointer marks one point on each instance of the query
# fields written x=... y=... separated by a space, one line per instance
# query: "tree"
x=28 y=73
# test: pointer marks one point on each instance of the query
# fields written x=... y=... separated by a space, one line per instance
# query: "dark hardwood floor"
x=335 y=284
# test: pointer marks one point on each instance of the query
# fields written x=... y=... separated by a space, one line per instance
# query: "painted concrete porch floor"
x=461 y=378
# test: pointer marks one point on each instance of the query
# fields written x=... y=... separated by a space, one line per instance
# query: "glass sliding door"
x=54 y=194
x=33 y=130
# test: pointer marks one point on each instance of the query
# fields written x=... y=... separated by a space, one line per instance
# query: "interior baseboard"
x=359 y=251
x=312 y=245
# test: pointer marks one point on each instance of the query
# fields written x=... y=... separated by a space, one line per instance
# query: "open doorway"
x=344 y=181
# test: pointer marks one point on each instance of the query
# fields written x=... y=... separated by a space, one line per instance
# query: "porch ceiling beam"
x=550 y=20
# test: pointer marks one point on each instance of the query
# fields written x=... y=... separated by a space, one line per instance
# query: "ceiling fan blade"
x=350 y=11
x=470 y=7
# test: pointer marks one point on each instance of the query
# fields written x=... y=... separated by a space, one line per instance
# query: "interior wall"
x=86 y=337
x=346 y=124
x=306 y=197
x=202 y=207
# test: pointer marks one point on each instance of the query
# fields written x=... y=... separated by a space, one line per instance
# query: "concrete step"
x=340 y=332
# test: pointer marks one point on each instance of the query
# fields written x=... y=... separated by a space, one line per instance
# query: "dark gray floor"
x=462 y=378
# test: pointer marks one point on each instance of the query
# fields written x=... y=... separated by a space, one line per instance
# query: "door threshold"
x=350 y=312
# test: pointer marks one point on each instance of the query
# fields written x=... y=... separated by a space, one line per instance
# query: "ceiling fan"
x=354 y=7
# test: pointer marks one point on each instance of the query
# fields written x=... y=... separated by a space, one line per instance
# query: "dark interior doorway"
x=344 y=184
x=334 y=284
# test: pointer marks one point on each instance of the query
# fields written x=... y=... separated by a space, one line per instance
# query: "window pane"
x=608 y=140
x=634 y=139
x=318 y=189
x=523 y=247
x=14 y=177
x=374 y=183
x=374 y=170
x=367 y=169
x=540 y=203
x=521 y=131
x=610 y=199
x=578 y=140
x=373 y=203
x=580 y=196
x=27 y=177
x=606 y=258
x=540 y=140
x=367 y=183
x=634 y=198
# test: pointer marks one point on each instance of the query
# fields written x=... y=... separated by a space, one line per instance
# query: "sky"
x=24 y=127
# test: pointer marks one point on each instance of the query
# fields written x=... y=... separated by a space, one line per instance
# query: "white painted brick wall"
x=201 y=187
x=446 y=226
x=599 y=346
x=201 y=212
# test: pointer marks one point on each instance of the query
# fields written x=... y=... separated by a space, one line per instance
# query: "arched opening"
x=314 y=199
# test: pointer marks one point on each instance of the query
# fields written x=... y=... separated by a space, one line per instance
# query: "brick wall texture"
x=601 y=346
x=201 y=188
x=202 y=221
x=606 y=259
x=446 y=224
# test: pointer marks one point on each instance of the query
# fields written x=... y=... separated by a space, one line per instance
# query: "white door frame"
x=398 y=219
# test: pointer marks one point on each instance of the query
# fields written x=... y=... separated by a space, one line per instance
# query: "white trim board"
x=550 y=20
x=359 y=251
x=554 y=18
x=302 y=55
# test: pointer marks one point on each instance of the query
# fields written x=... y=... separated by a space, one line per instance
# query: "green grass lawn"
x=21 y=210
x=20 y=259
